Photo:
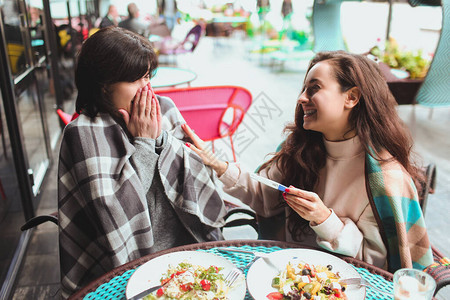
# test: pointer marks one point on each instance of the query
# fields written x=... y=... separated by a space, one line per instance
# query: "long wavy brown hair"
x=374 y=119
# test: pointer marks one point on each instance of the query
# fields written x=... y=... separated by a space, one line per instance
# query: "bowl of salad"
x=302 y=274
x=186 y=275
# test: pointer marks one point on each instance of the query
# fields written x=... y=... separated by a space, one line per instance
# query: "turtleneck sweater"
x=351 y=228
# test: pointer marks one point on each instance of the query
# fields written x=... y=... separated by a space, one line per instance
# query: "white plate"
x=261 y=273
x=150 y=273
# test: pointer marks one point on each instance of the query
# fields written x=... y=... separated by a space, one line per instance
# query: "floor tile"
x=39 y=270
x=38 y=292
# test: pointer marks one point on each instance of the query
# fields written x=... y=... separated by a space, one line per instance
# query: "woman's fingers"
x=158 y=115
x=210 y=159
x=298 y=208
x=188 y=131
x=199 y=143
x=298 y=201
x=152 y=106
x=135 y=103
x=195 y=149
x=151 y=91
x=149 y=105
x=307 y=204
x=301 y=193
x=143 y=103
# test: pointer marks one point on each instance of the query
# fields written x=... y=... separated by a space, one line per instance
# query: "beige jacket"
x=350 y=230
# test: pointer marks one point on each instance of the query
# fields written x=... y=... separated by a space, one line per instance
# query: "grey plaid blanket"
x=104 y=218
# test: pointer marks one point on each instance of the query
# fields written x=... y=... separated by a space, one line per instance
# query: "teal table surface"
x=225 y=19
x=171 y=76
x=115 y=287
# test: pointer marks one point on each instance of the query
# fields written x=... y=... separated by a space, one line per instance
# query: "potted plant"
x=412 y=62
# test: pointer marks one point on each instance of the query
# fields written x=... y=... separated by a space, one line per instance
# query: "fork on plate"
x=362 y=282
x=236 y=273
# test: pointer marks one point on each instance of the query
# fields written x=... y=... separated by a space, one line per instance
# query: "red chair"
x=65 y=117
x=214 y=112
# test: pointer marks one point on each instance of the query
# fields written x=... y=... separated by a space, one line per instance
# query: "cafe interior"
x=250 y=54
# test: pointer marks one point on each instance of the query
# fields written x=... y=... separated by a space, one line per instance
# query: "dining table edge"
x=92 y=286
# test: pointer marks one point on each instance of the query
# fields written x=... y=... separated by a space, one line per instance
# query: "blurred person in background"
x=169 y=11
x=286 y=8
x=111 y=18
x=133 y=22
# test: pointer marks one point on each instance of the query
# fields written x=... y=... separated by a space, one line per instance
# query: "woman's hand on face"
x=206 y=155
x=144 y=120
x=307 y=204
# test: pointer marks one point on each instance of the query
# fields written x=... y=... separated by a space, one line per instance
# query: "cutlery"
x=236 y=273
x=264 y=256
x=268 y=182
x=362 y=282
x=145 y=293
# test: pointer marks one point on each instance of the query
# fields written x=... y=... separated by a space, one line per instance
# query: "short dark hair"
x=111 y=55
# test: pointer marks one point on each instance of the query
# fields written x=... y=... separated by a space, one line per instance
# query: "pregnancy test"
x=269 y=182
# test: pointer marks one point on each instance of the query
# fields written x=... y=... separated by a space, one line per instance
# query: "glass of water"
x=413 y=284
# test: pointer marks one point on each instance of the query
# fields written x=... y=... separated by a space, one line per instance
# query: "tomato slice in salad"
x=338 y=293
x=215 y=268
x=186 y=287
x=206 y=284
x=275 y=296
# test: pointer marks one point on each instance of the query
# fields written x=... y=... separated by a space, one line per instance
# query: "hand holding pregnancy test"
x=268 y=182
x=307 y=204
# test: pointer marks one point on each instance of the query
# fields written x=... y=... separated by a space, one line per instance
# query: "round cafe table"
x=112 y=285
x=171 y=77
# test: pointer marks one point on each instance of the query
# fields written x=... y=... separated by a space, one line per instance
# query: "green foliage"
x=250 y=29
x=298 y=35
x=412 y=62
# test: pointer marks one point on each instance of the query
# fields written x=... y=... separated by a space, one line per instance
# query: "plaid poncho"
x=104 y=218
x=399 y=215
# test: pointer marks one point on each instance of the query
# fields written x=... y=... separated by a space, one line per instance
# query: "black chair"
x=249 y=220
x=231 y=208
x=428 y=185
x=267 y=228
x=38 y=220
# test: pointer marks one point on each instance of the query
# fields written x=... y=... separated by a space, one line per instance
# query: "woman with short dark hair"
x=123 y=188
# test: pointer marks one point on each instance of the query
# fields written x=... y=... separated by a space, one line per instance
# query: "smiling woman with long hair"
x=347 y=164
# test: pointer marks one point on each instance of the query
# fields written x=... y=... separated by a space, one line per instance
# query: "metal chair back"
x=326 y=24
x=213 y=112
x=435 y=89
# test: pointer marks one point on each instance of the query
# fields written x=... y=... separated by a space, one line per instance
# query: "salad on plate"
x=189 y=281
x=300 y=281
